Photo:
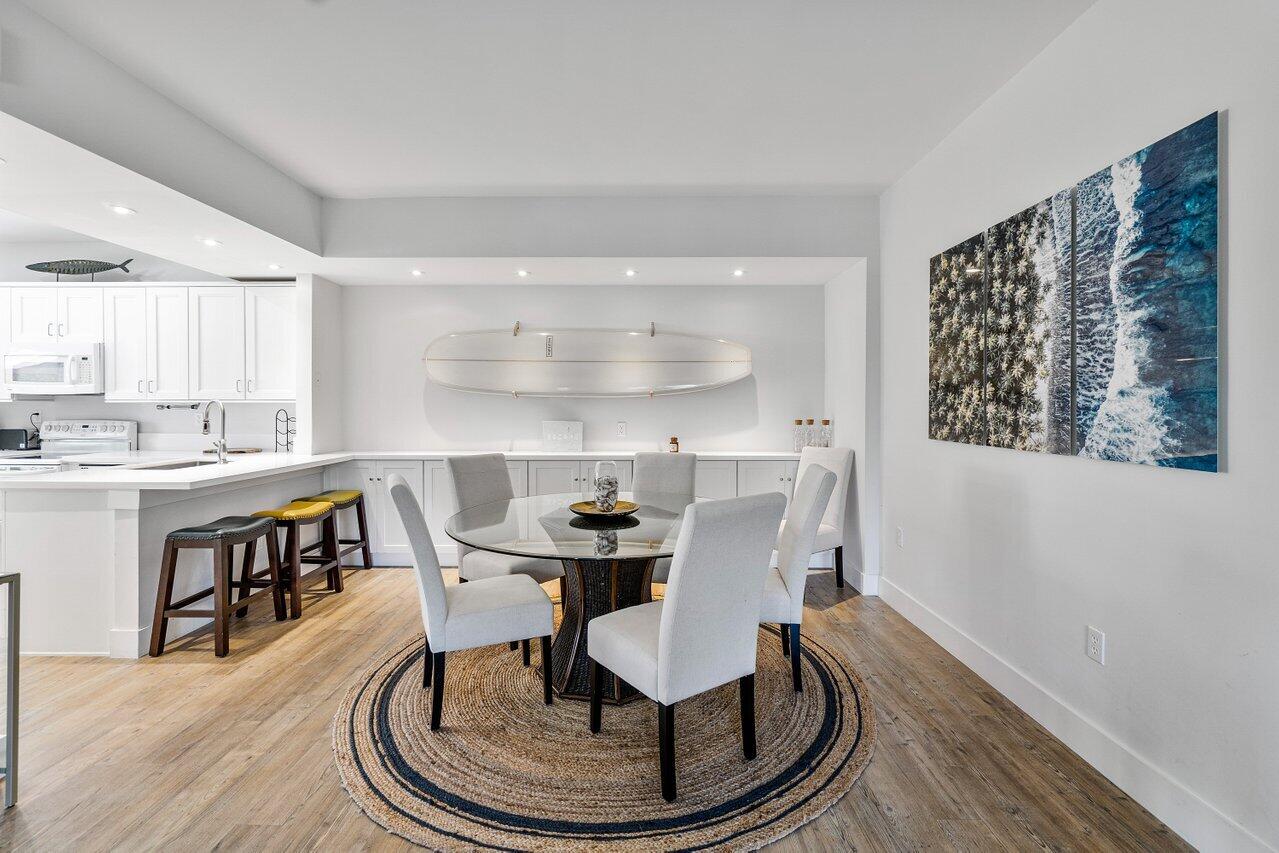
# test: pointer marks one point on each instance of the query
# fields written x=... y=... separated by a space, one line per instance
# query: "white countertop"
x=136 y=471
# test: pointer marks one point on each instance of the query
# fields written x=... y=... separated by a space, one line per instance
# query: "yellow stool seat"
x=296 y=511
x=340 y=498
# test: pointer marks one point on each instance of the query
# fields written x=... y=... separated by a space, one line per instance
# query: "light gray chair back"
x=479 y=479
x=710 y=616
x=840 y=461
x=430 y=583
x=812 y=494
x=673 y=473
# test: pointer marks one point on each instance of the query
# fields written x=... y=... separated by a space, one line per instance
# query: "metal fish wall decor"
x=78 y=267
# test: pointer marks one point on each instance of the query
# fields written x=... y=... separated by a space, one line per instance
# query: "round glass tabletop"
x=544 y=526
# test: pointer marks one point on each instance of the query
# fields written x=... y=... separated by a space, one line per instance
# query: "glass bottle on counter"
x=797 y=435
x=825 y=434
x=673 y=446
x=810 y=433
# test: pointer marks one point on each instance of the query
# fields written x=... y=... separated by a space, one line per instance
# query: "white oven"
x=65 y=368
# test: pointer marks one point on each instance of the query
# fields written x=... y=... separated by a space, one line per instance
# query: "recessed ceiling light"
x=210 y=242
x=522 y=273
x=417 y=273
x=739 y=273
x=630 y=273
x=121 y=210
x=273 y=266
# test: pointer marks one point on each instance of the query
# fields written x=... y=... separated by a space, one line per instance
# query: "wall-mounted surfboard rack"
x=522 y=362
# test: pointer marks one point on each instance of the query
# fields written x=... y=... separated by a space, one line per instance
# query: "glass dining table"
x=608 y=564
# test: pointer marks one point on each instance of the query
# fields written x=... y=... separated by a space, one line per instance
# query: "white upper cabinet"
x=42 y=315
x=167 y=343
x=216 y=344
x=269 y=342
x=35 y=315
x=80 y=314
x=145 y=343
x=124 y=321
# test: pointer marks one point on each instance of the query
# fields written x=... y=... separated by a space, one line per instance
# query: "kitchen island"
x=88 y=542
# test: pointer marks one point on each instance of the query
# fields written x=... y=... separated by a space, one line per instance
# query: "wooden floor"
x=187 y=752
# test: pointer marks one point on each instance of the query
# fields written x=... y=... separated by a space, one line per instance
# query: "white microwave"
x=65 y=368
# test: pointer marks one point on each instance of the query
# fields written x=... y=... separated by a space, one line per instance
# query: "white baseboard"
x=862 y=582
x=1194 y=819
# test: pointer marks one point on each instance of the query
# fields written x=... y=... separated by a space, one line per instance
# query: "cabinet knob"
x=50 y=331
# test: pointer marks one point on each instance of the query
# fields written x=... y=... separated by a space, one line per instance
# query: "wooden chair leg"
x=273 y=570
x=524 y=643
x=331 y=549
x=794 y=659
x=163 y=598
x=426 y=662
x=246 y=577
x=221 y=600
x=546 y=669
x=437 y=689
x=363 y=524
x=666 y=748
x=746 y=692
x=785 y=640
x=597 y=696
x=293 y=550
x=839 y=567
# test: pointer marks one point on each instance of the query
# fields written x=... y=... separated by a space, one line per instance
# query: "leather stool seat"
x=296 y=511
x=340 y=498
x=224 y=528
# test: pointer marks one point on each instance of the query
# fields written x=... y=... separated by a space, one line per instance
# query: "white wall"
x=847 y=359
x=320 y=366
x=1009 y=556
x=389 y=404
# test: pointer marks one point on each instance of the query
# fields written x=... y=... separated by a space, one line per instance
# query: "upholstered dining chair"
x=484 y=479
x=669 y=473
x=482 y=613
x=704 y=633
x=783 y=600
x=830 y=532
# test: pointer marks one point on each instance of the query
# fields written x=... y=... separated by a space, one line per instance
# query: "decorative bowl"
x=588 y=509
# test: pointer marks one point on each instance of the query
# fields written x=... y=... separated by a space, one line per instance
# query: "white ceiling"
x=19 y=229
x=362 y=98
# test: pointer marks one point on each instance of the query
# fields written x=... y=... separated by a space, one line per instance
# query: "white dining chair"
x=482 y=613
x=830 y=532
x=484 y=479
x=704 y=633
x=783 y=599
x=668 y=473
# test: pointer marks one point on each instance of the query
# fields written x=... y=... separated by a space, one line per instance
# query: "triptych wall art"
x=1087 y=323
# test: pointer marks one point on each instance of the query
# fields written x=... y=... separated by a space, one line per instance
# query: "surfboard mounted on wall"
x=584 y=362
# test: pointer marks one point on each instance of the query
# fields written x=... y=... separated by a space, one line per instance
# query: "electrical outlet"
x=901 y=538
x=621 y=429
x=1096 y=645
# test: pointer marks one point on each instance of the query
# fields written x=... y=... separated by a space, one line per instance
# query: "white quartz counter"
x=138 y=471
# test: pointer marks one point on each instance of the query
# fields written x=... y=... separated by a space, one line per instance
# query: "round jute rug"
x=505 y=771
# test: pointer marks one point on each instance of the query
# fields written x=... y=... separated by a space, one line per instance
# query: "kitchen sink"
x=173 y=466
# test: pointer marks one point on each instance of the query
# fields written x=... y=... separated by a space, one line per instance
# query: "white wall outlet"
x=901 y=538
x=1096 y=645
x=621 y=429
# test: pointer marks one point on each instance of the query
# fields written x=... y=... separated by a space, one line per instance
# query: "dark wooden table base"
x=593 y=588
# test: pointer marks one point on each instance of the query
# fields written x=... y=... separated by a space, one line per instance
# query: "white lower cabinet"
x=559 y=476
x=716 y=479
x=759 y=476
x=389 y=542
x=5 y=333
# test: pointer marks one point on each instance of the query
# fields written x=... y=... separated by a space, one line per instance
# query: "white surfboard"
x=584 y=362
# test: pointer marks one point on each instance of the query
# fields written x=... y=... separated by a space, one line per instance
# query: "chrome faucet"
x=220 y=444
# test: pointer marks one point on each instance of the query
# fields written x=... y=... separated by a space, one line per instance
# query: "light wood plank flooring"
x=187 y=752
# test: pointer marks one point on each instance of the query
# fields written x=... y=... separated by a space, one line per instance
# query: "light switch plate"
x=562 y=435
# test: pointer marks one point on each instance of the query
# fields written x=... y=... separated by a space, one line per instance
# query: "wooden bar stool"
x=220 y=537
x=293 y=517
x=347 y=499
